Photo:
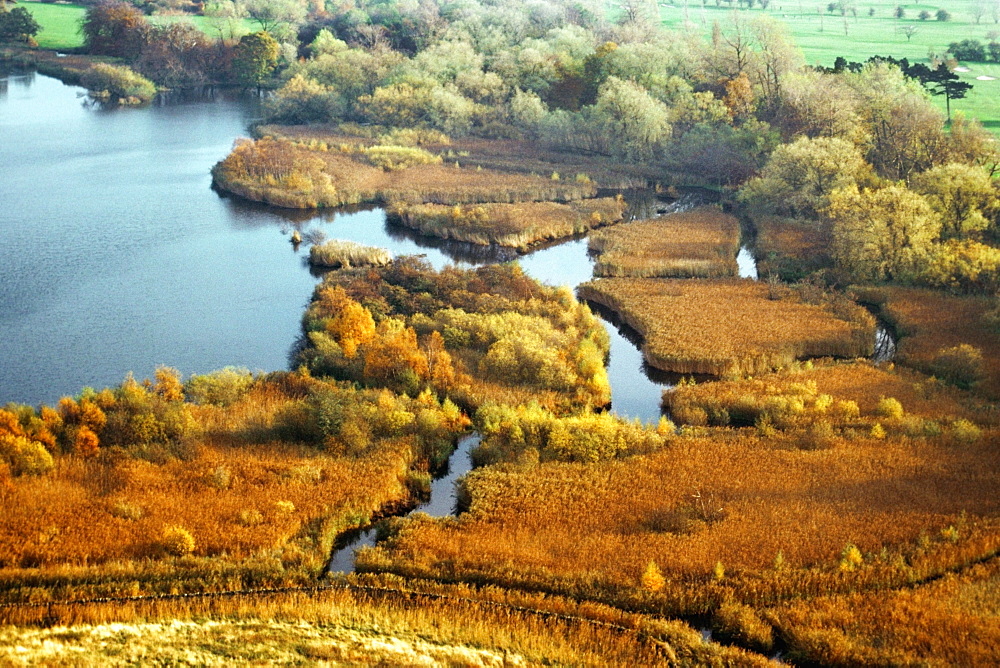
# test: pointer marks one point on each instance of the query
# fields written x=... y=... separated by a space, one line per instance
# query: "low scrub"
x=337 y=254
x=731 y=328
x=694 y=244
x=117 y=84
x=514 y=225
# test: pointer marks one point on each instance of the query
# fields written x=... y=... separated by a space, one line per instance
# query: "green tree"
x=18 y=23
x=636 y=123
x=881 y=234
x=945 y=82
x=255 y=58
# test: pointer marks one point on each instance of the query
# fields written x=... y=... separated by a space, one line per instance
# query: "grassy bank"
x=731 y=328
x=513 y=225
x=702 y=243
x=337 y=254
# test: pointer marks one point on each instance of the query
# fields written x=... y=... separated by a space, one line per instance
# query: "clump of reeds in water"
x=337 y=253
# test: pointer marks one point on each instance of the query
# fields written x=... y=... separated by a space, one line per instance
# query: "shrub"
x=177 y=541
x=391 y=158
x=250 y=518
x=850 y=558
x=117 y=84
x=220 y=388
x=25 y=456
x=888 y=407
x=960 y=365
x=652 y=579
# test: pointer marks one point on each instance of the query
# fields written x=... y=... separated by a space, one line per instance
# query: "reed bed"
x=337 y=254
x=730 y=328
x=513 y=225
x=928 y=322
x=260 y=491
x=790 y=249
x=509 y=156
x=846 y=397
x=953 y=620
x=364 y=621
x=293 y=175
x=732 y=517
x=702 y=243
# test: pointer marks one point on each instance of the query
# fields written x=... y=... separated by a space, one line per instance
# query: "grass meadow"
x=694 y=244
x=823 y=36
x=730 y=328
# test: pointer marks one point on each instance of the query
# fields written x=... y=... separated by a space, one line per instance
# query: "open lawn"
x=822 y=36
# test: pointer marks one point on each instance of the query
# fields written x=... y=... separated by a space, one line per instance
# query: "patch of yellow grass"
x=701 y=243
x=790 y=248
x=730 y=328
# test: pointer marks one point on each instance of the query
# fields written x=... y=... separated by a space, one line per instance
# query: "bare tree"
x=909 y=31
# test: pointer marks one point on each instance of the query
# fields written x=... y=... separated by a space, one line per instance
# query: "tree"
x=908 y=30
x=881 y=234
x=637 y=124
x=945 y=82
x=800 y=176
x=942 y=15
x=18 y=23
x=255 y=58
x=115 y=28
x=968 y=49
x=272 y=15
x=962 y=195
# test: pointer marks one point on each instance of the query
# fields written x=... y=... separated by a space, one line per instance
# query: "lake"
x=117 y=256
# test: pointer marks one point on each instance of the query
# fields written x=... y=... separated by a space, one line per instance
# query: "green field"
x=857 y=38
x=61 y=24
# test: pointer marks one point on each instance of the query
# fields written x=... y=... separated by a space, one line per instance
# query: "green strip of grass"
x=61 y=24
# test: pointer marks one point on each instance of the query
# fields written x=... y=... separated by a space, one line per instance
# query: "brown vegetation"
x=288 y=174
x=338 y=254
x=789 y=248
x=701 y=243
x=515 y=225
x=929 y=324
x=731 y=328
x=270 y=479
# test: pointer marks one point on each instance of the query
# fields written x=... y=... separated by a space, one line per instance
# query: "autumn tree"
x=881 y=234
x=800 y=176
x=114 y=28
x=964 y=196
x=636 y=123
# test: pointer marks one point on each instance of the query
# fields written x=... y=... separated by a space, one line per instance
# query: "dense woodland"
x=801 y=498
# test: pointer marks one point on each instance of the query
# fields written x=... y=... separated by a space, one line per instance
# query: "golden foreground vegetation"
x=693 y=244
x=732 y=328
x=514 y=225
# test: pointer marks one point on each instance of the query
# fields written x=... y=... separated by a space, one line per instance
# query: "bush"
x=177 y=541
x=25 y=456
x=117 y=84
x=220 y=388
x=961 y=365
x=888 y=407
x=391 y=158
x=18 y=23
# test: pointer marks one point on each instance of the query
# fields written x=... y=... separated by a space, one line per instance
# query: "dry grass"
x=790 y=249
x=955 y=620
x=728 y=517
x=295 y=175
x=365 y=621
x=338 y=254
x=514 y=225
x=730 y=328
x=701 y=243
x=254 y=492
x=928 y=321
x=509 y=156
